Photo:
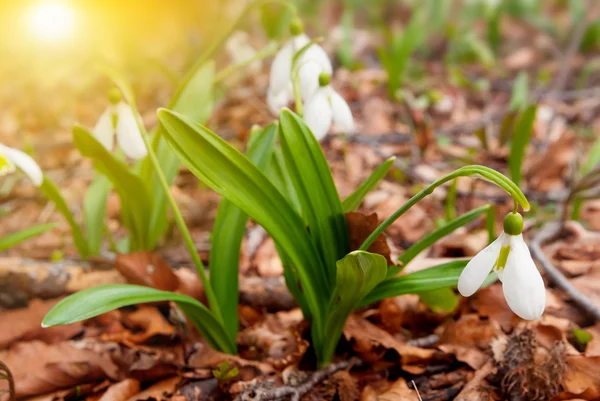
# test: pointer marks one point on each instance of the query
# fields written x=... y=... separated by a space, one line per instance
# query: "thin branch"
x=549 y=231
x=260 y=393
x=7 y=375
x=424 y=342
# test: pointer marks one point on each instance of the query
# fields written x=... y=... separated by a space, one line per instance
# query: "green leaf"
x=520 y=92
x=228 y=172
x=136 y=202
x=592 y=160
x=450 y=207
x=98 y=300
x=519 y=143
x=228 y=232
x=319 y=200
x=10 y=240
x=441 y=232
x=195 y=99
x=440 y=300
x=278 y=175
x=94 y=210
x=582 y=337
x=51 y=191
x=433 y=278
x=353 y=201
x=356 y=276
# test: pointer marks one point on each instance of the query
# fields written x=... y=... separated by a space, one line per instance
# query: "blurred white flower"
x=10 y=159
x=325 y=106
x=509 y=257
x=240 y=50
x=312 y=62
x=119 y=119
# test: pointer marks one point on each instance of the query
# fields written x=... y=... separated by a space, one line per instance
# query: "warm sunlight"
x=51 y=21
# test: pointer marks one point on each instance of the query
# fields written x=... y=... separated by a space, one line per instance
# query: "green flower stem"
x=296 y=79
x=485 y=172
x=187 y=237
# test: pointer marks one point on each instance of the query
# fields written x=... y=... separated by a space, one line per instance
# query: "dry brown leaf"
x=593 y=347
x=40 y=368
x=359 y=227
x=159 y=391
x=468 y=339
x=25 y=324
x=372 y=343
x=478 y=389
x=398 y=392
x=147 y=269
x=147 y=325
x=121 y=391
x=583 y=376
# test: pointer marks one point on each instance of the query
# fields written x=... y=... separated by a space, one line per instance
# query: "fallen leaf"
x=26 y=324
x=121 y=391
x=148 y=269
x=398 y=392
x=159 y=391
x=372 y=343
x=582 y=375
x=359 y=227
x=41 y=368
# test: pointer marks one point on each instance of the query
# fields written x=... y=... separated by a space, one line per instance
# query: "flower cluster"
x=509 y=257
x=304 y=63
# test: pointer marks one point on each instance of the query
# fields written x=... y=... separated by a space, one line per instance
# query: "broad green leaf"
x=519 y=143
x=228 y=232
x=353 y=201
x=195 y=98
x=51 y=191
x=135 y=197
x=10 y=240
x=440 y=300
x=356 y=275
x=228 y=172
x=278 y=175
x=441 y=232
x=433 y=278
x=520 y=92
x=320 y=203
x=101 y=299
x=94 y=210
x=275 y=19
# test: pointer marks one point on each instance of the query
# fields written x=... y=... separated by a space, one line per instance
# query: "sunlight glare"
x=51 y=21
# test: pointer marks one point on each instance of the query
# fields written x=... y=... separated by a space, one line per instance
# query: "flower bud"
x=324 y=79
x=114 y=96
x=296 y=27
x=513 y=224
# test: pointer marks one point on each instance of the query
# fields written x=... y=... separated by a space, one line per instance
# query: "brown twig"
x=7 y=375
x=258 y=392
x=549 y=231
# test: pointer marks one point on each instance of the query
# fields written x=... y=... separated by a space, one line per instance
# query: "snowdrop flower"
x=326 y=106
x=509 y=257
x=312 y=62
x=240 y=50
x=119 y=119
x=11 y=159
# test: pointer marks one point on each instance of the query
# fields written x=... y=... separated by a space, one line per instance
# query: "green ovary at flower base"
x=509 y=257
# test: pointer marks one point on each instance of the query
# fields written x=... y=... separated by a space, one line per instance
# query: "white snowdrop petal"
x=25 y=163
x=316 y=54
x=104 y=131
x=478 y=268
x=342 y=115
x=523 y=285
x=129 y=136
x=277 y=101
x=318 y=114
x=281 y=67
x=308 y=74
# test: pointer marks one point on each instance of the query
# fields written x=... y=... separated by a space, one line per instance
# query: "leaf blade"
x=353 y=201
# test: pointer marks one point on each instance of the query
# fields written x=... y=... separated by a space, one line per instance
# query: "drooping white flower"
x=119 y=119
x=324 y=107
x=240 y=50
x=310 y=63
x=509 y=257
x=11 y=159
